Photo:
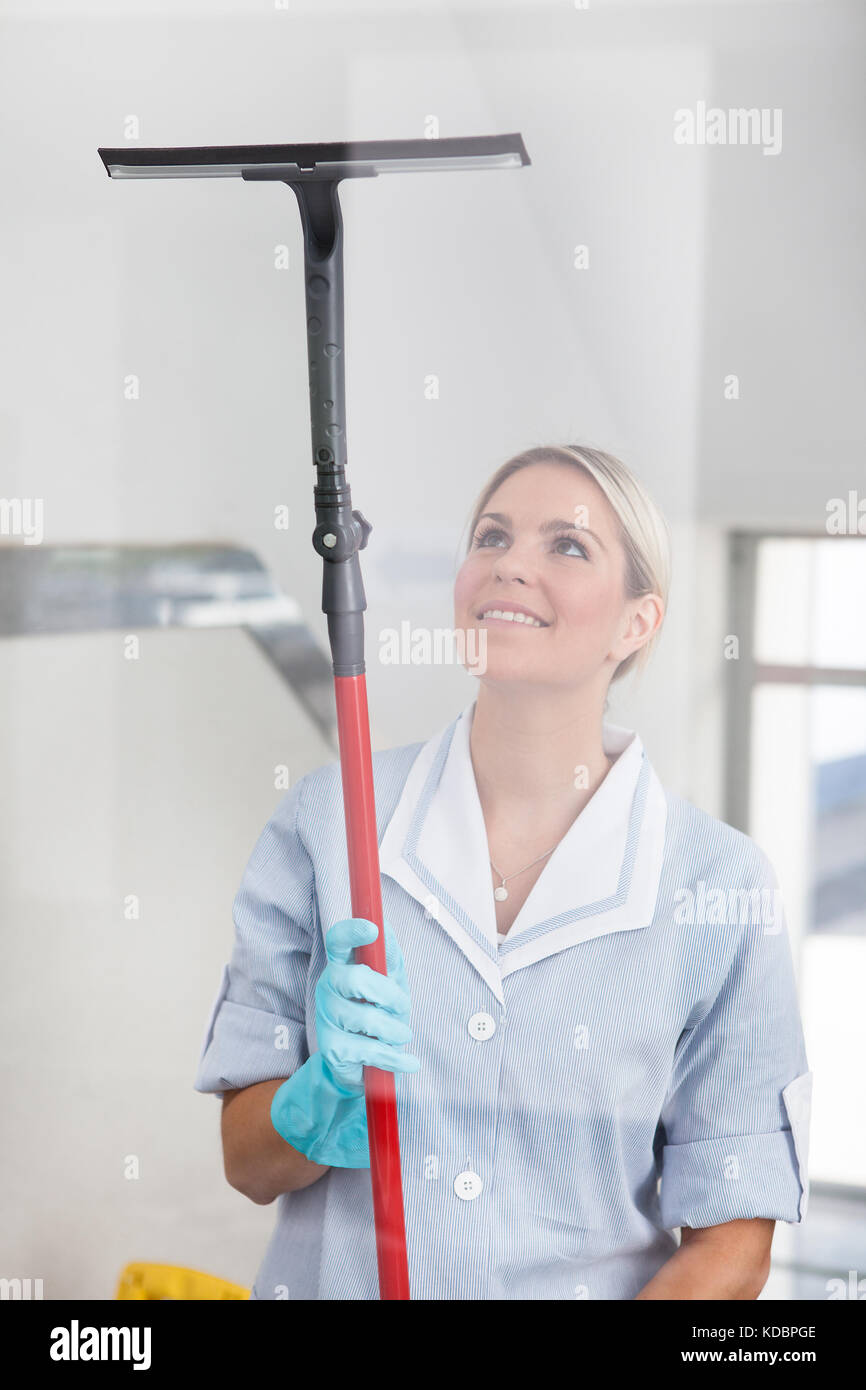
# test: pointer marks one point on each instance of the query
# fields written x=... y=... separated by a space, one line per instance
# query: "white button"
x=481 y=1026
x=467 y=1185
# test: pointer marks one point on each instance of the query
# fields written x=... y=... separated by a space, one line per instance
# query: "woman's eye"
x=572 y=540
x=482 y=537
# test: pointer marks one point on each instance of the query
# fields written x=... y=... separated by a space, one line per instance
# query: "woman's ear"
x=645 y=619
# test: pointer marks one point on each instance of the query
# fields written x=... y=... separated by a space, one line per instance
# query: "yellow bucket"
x=144 y=1280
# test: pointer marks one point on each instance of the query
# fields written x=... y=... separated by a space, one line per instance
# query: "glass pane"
x=808 y=813
x=810 y=600
x=840 y=602
x=784 y=582
x=838 y=758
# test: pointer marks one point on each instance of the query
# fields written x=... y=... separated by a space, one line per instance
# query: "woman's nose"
x=514 y=563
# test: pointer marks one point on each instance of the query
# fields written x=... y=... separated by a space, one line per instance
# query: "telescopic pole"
x=340 y=533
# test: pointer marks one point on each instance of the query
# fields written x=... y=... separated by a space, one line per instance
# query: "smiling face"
x=552 y=547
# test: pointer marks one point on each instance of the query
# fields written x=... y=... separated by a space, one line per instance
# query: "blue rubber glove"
x=362 y=1019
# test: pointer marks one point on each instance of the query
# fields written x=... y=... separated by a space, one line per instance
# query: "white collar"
x=602 y=877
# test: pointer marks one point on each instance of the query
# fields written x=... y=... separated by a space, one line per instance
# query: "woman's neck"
x=536 y=758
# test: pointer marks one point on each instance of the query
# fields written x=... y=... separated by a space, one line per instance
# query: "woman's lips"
x=511 y=622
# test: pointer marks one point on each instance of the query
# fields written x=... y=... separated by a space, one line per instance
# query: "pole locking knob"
x=365 y=525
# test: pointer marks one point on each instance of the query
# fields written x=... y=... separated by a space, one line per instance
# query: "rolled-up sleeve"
x=736 y=1113
x=257 y=1027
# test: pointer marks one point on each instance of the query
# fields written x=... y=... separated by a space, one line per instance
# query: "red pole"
x=353 y=726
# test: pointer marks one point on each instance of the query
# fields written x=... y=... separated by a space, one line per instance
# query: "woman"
x=606 y=1044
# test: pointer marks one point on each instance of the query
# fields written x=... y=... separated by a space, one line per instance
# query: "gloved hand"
x=362 y=1019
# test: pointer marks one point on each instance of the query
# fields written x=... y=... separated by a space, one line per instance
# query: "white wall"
x=155 y=777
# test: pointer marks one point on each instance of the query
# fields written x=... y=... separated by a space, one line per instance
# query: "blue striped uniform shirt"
x=629 y=1061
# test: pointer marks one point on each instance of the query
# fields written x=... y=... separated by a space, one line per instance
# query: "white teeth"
x=511 y=617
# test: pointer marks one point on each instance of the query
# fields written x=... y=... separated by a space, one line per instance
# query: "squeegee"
x=313 y=171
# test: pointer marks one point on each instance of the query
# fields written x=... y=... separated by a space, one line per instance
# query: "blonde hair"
x=643 y=531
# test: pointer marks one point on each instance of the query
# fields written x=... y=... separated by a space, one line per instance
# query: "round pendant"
x=500 y=894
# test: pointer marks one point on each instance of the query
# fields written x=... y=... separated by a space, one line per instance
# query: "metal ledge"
x=62 y=589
